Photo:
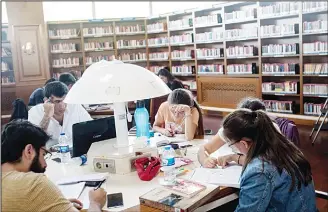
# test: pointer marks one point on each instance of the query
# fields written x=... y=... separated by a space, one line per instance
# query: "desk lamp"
x=116 y=82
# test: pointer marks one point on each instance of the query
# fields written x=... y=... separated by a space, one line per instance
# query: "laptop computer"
x=86 y=133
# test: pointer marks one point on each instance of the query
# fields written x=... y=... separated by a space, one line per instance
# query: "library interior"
x=164 y=106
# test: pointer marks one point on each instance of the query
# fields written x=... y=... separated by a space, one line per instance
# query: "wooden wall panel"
x=29 y=62
x=226 y=92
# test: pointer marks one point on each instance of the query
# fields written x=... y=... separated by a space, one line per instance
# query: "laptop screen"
x=85 y=133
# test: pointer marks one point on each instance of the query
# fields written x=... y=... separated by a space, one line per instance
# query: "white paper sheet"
x=72 y=190
x=83 y=178
x=228 y=176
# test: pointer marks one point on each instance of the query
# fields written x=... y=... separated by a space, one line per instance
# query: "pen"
x=207 y=155
x=101 y=182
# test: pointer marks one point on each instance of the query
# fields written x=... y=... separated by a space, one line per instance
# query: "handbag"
x=147 y=167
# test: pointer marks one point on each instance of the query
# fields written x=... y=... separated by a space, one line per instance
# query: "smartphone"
x=208 y=132
x=114 y=200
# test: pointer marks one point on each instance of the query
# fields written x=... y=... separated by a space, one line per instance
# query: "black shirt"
x=175 y=84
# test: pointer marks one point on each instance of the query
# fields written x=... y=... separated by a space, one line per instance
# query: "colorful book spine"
x=240 y=69
x=288 y=87
x=280 y=49
x=156 y=27
x=315 y=26
x=210 y=69
x=241 y=51
x=62 y=33
x=129 y=29
x=159 y=56
x=63 y=47
x=184 y=69
x=162 y=41
x=133 y=56
x=315 y=89
x=206 y=53
x=182 y=39
x=316 y=69
x=66 y=62
x=315 y=48
x=280 y=68
x=278 y=106
x=312 y=108
x=91 y=46
x=98 y=31
x=216 y=35
x=121 y=44
x=182 y=54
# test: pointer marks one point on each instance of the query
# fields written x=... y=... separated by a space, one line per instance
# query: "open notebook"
x=228 y=176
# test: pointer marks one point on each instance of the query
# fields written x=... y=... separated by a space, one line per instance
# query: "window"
x=121 y=9
x=66 y=11
x=168 y=7
x=4 y=17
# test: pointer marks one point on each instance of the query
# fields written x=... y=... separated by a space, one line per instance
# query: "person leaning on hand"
x=25 y=187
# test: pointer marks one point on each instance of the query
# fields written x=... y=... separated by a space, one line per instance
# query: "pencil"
x=207 y=155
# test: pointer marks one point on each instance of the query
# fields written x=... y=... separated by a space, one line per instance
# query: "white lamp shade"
x=108 y=82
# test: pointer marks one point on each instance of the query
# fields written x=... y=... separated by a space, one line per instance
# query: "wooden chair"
x=154 y=105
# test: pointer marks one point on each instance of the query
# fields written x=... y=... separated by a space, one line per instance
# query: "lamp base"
x=103 y=156
x=121 y=125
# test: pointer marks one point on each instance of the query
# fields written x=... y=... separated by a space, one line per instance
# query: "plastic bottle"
x=79 y=161
x=141 y=117
x=64 y=148
x=168 y=162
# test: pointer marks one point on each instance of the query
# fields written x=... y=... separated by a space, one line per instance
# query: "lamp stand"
x=121 y=125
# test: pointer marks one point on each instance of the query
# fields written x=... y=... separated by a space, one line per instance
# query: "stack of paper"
x=83 y=178
x=72 y=190
x=228 y=176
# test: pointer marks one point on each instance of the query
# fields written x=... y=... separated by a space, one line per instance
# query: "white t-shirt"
x=74 y=113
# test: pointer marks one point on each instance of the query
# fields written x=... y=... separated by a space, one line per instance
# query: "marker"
x=100 y=184
x=217 y=166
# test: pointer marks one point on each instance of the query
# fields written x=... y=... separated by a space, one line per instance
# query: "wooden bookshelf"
x=160 y=51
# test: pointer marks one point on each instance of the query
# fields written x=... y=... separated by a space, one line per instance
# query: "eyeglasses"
x=47 y=155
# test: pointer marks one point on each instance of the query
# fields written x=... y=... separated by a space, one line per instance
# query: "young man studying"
x=24 y=186
x=55 y=116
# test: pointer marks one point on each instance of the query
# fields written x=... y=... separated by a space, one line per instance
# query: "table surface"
x=130 y=184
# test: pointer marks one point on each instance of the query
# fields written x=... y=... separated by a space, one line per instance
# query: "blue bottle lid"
x=167 y=147
x=62 y=133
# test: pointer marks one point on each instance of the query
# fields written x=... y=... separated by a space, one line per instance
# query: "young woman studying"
x=219 y=139
x=276 y=176
x=169 y=79
x=180 y=114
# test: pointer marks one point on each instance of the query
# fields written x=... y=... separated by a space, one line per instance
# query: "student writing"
x=179 y=114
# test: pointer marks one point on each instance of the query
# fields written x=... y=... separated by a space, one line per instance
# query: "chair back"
x=289 y=129
x=155 y=103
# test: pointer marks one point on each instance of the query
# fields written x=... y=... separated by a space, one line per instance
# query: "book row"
x=183 y=54
x=316 y=47
x=315 y=89
x=316 y=68
x=63 y=47
x=182 y=23
x=241 y=51
x=53 y=33
x=156 y=27
x=208 y=20
x=216 y=35
x=212 y=68
x=129 y=29
x=130 y=43
x=159 y=56
x=280 y=49
x=190 y=84
x=315 y=26
x=280 y=68
x=4 y=66
x=241 y=33
x=288 y=87
x=310 y=6
x=98 y=46
x=93 y=59
x=312 y=108
x=184 y=69
x=209 y=53
x=7 y=79
x=94 y=31
x=278 y=30
x=278 y=106
x=246 y=14
x=180 y=39
x=132 y=56
x=158 y=41
x=66 y=62
x=279 y=8
x=241 y=69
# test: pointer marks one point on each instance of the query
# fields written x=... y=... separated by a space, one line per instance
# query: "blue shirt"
x=36 y=97
x=267 y=190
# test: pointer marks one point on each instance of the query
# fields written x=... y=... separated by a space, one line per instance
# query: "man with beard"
x=55 y=116
x=24 y=186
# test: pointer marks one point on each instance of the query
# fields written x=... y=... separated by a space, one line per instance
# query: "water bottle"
x=141 y=117
x=168 y=162
x=64 y=148
x=79 y=161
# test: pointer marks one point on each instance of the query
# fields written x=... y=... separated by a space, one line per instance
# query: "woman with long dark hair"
x=276 y=176
x=180 y=114
x=169 y=79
